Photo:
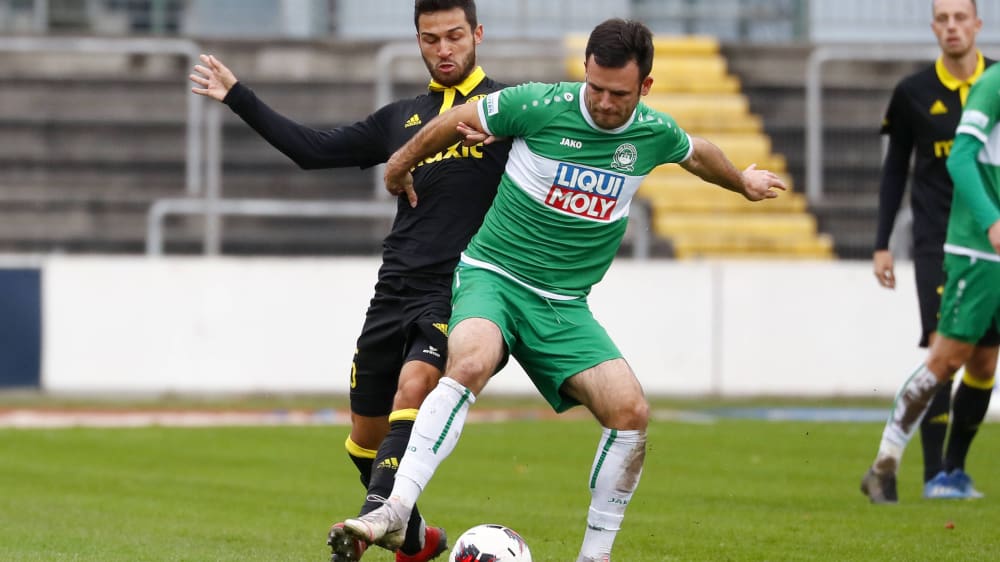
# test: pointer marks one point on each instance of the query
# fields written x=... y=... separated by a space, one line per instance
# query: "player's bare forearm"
x=437 y=135
x=434 y=137
x=709 y=163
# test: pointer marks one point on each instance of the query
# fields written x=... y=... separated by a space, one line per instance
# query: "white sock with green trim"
x=613 y=479
x=909 y=408
x=435 y=433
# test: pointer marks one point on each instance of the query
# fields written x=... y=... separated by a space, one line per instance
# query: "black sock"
x=362 y=459
x=384 y=475
x=364 y=465
x=933 y=430
x=969 y=409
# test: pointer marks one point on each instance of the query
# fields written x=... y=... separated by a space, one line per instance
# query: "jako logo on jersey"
x=585 y=192
x=571 y=143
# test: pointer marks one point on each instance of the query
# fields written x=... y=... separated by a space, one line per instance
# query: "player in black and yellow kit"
x=921 y=120
x=401 y=351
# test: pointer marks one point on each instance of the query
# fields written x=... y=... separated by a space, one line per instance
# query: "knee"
x=471 y=371
x=413 y=389
x=944 y=366
x=632 y=415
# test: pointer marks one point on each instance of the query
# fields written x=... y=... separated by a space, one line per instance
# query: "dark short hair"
x=422 y=7
x=975 y=9
x=615 y=42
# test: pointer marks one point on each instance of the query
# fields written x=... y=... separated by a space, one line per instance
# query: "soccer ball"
x=490 y=543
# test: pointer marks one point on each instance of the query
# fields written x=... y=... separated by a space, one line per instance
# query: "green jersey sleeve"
x=520 y=111
x=969 y=184
x=971 y=163
x=980 y=113
x=675 y=143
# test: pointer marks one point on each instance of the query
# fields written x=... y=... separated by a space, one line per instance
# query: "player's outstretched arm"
x=213 y=77
x=437 y=135
x=709 y=163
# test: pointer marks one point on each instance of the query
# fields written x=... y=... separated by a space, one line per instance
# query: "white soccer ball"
x=490 y=543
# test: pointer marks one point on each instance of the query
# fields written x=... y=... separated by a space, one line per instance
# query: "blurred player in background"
x=402 y=349
x=579 y=154
x=970 y=305
x=921 y=119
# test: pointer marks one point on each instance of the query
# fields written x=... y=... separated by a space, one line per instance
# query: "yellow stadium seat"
x=662 y=44
x=666 y=45
x=692 y=84
x=711 y=199
x=820 y=247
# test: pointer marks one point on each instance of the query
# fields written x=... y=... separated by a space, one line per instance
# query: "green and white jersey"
x=563 y=202
x=966 y=231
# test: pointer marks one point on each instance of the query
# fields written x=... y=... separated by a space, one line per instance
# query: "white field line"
x=29 y=418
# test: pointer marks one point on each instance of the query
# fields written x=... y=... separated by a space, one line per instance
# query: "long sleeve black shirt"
x=455 y=187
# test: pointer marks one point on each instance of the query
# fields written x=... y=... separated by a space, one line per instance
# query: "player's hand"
x=884 y=270
x=760 y=184
x=994 y=234
x=472 y=136
x=214 y=79
x=399 y=181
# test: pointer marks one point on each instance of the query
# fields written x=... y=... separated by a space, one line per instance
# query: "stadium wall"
x=20 y=326
x=729 y=328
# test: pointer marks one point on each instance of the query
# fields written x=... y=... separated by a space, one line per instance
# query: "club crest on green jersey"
x=625 y=157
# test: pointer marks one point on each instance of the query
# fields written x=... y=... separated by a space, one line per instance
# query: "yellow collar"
x=953 y=83
x=467 y=85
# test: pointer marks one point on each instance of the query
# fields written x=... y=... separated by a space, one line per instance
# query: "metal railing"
x=768 y=21
x=189 y=49
x=814 y=96
x=213 y=206
x=253 y=207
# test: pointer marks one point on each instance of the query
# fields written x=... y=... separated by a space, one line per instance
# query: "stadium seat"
x=697 y=234
x=691 y=83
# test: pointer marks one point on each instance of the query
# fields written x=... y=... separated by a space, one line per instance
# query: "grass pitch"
x=725 y=490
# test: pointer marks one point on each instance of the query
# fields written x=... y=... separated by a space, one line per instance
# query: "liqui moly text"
x=585 y=192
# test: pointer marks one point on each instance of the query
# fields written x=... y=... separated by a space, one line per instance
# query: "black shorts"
x=407 y=320
x=929 y=271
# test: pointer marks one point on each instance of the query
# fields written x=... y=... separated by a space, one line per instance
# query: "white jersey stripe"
x=971 y=131
x=962 y=251
x=547 y=181
x=541 y=292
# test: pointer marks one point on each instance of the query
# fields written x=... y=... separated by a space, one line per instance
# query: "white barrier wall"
x=285 y=325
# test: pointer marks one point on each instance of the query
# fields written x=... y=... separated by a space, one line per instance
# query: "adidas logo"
x=390 y=463
x=938 y=108
x=940 y=419
x=413 y=121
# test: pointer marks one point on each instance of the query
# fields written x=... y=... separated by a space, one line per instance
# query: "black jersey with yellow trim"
x=455 y=187
x=921 y=119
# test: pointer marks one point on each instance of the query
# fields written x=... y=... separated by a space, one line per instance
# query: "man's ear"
x=646 y=85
